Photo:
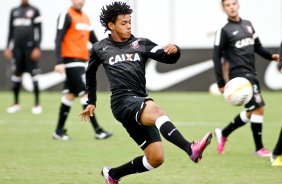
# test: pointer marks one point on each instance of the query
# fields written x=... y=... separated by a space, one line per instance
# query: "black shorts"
x=75 y=79
x=22 y=61
x=257 y=100
x=128 y=111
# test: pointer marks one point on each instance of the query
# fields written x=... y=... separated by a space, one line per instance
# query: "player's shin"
x=137 y=165
x=256 y=126
x=171 y=133
x=36 y=92
x=64 y=111
x=240 y=120
x=16 y=87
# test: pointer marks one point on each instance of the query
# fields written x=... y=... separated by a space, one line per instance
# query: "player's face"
x=231 y=8
x=121 y=29
x=78 y=4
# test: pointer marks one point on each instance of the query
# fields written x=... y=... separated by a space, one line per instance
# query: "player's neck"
x=76 y=9
x=234 y=19
x=24 y=4
x=117 y=38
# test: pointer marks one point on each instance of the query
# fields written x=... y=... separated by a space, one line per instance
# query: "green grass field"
x=28 y=155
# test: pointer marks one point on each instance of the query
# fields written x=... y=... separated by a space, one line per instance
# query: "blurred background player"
x=23 y=49
x=276 y=156
x=124 y=57
x=73 y=34
x=238 y=43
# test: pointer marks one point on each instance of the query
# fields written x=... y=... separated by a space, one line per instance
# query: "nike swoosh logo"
x=273 y=77
x=105 y=48
x=45 y=81
x=169 y=134
x=159 y=81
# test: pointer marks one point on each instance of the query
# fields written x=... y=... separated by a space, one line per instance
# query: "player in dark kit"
x=238 y=42
x=124 y=57
x=276 y=157
x=25 y=37
x=73 y=34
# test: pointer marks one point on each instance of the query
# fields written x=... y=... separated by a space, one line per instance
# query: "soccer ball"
x=238 y=91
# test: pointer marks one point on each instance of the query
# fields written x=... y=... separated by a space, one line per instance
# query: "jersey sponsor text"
x=244 y=42
x=124 y=57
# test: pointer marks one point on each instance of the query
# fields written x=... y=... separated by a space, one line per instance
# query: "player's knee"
x=67 y=100
x=259 y=111
x=69 y=96
x=156 y=160
x=155 y=109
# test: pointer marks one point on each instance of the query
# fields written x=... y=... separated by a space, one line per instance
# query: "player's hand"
x=8 y=54
x=35 y=54
x=87 y=112
x=60 y=68
x=170 y=49
x=276 y=57
x=221 y=89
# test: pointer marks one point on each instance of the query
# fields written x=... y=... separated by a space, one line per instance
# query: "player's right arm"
x=90 y=75
x=8 y=51
x=218 y=50
x=91 y=85
x=64 y=22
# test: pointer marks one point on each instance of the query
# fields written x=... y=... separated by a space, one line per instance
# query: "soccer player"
x=73 y=34
x=276 y=157
x=23 y=49
x=124 y=57
x=238 y=42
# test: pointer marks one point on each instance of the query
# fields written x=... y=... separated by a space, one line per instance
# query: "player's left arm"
x=37 y=22
x=262 y=51
x=63 y=24
x=168 y=54
x=36 y=53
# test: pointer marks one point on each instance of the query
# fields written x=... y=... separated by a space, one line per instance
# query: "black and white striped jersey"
x=124 y=64
x=24 y=27
x=237 y=42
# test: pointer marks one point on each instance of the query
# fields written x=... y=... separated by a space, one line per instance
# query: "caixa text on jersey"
x=124 y=57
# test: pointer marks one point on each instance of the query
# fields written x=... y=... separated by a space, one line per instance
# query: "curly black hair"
x=111 y=11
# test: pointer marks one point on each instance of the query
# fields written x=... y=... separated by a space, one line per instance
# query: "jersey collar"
x=235 y=22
